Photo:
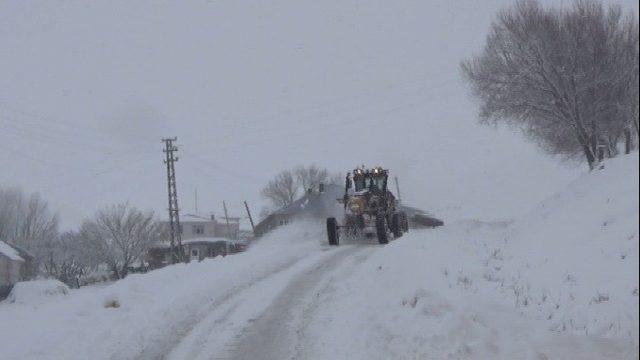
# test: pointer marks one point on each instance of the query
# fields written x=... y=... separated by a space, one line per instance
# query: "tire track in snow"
x=213 y=335
x=163 y=347
x=279 y=333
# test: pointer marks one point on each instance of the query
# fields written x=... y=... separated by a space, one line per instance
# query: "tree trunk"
x=591 y=159
x=627 y=141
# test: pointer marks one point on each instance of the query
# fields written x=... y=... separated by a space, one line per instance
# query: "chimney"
x=321 y=188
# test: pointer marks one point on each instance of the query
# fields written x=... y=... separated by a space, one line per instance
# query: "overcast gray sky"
x=87 y=89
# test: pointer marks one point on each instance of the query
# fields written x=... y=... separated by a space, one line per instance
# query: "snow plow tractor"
x=370 y=209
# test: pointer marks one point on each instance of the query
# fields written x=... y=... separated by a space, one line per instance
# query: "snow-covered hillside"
x=558 y=283
x=574 y=258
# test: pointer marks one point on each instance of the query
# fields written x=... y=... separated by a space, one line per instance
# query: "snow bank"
x=562 y=282
x=144 y=315
x=36 y=291
x=573 y=260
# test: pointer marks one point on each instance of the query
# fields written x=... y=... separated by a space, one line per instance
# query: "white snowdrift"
x=573 y=260
x=36 y=291
x=560 y=283
x=153 y=310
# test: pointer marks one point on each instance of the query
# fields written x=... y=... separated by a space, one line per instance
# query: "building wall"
x=196 y=229
x=271 y=222
x=200 y=229
x=9 y=271
x=206 y=250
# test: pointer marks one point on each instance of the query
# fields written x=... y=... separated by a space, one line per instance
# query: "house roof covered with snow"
x=8 y=251
x=316 y=203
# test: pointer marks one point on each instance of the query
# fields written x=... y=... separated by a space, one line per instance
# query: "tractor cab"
x=374 y=180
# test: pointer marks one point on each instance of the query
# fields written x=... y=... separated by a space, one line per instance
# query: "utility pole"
x=177 y=254
x=226 y=217
x=395 y=178
x=253 y=228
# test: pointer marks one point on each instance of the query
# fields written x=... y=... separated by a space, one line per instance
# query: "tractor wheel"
x=332 y=231
x=396 y=225
x=381 y=230
x=404 y=221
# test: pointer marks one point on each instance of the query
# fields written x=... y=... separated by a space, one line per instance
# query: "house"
x=203 y=235
x=11 y=268
x=195 y=249
x=314 y=204
x=200 y=248
x=197 y=226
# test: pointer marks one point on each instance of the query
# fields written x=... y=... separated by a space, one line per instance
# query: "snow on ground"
x=560 y=282
x=36 y=291
x=145 y=315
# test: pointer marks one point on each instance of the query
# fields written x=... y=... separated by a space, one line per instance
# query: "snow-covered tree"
x=310 y=177
x=567 y=77
x=282 y=190
x=27 y=221
x=68 y=257
x=120 y=235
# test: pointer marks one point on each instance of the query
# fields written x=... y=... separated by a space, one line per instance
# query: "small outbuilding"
x=11 y=268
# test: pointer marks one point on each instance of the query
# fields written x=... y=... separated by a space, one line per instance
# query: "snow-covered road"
x=554 y=285
x=267 y=319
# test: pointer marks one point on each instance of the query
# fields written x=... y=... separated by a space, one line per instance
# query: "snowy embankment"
x=560 y=283
x=145 y=316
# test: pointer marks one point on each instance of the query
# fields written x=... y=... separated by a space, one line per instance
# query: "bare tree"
x=27 y=223
x=282 y=190
x=569 y=78
x=69 y=258
x=120 y=235
x=310 y=177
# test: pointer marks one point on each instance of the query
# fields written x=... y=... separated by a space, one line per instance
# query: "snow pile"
x=36 y=291
x=573 y=260
x=559 y=283
x=144 y=315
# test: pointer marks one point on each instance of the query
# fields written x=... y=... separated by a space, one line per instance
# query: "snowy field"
x=558 y=283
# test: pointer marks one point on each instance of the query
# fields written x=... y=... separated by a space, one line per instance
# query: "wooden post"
x=226 y=217
x=253 y=227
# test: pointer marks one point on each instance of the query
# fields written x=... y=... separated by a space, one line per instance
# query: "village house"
x=15 y=265
x=200 y=248
x=314 y=204
x=202 y=236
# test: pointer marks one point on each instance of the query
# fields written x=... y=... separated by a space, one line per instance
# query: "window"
x=198 y=229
